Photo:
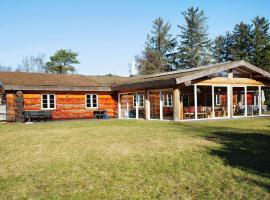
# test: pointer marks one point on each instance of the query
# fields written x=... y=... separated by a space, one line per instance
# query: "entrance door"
x=3 y=112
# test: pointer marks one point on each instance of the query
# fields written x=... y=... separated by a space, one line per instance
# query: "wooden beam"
x=229 y=81
x=147 y=105
x=176 y=104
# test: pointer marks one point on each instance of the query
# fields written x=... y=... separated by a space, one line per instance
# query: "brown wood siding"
x=71 y=105
x=10 y=107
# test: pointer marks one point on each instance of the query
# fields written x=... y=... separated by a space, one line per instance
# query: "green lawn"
x=117 y=159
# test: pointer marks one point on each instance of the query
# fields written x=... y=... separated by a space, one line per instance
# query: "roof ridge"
x=185 y=70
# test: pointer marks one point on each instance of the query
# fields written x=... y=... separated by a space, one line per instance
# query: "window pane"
x=94 y=97
x=204 y=102
x=221 y=104
x=141 y=110
x=88 y=101
x=239 y=106
x=167 y=110
x=44 y=101
x=134 y=100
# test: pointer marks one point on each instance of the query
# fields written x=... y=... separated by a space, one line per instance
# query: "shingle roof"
x=38 y=81
x=57 y=81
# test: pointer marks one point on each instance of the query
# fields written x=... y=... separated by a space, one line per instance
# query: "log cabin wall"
x=10 y=99
x=68 y=105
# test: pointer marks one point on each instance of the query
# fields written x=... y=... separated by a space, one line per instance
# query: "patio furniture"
x=100 y=114
x=37 y=115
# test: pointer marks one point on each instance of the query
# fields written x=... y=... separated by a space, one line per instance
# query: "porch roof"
x=171 y=79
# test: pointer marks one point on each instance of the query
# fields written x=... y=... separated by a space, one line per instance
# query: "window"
x=91 y=101
x=134 y=100
x=48 y=101
x=167 y=100
x=242 y=99
x=140 y=100
x=218 y=100
x=185 y=100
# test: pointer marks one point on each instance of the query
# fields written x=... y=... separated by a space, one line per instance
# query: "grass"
x=136 y=160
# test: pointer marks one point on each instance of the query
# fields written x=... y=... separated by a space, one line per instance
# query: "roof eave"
x=57 y=88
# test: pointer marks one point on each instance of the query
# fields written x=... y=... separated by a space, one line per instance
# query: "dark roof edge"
x=57 y=88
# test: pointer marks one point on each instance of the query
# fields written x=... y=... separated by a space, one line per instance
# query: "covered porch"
x=215 y=92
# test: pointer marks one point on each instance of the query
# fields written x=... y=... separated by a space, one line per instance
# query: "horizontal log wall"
x=68 y=106
x=10 y=98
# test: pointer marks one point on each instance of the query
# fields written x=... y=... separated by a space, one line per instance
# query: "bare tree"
x=32 y=64
x=4 y=68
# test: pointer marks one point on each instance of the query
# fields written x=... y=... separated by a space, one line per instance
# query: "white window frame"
x=166 y=103
x=91 y=100
x=48 y=102
x=218 y=99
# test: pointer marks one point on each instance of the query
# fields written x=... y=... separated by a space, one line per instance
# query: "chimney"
x=133 y=68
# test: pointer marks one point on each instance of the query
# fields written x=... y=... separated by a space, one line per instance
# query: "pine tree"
x=194 y=48
x=261 y=43
x=242 y=42
x=157 y=56
x=221 y=49
x=62 y=62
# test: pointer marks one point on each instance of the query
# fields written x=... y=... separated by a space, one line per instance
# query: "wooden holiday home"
x=225 y=90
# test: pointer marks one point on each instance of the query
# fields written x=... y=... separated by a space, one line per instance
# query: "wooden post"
x=160 y=105
x=137 y=106
x=176 y=104
x=230 y=88
x=246 y=113
x=260 y=100
x=119 y=106
x=147 y=105
x=213 y=102
x=195 y=102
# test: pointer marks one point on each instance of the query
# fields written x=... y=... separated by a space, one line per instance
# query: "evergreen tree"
x=194 y=48
x=221 y=50
x=62 y=62
x=157 y=56
x=242 y=42
x=261 y=43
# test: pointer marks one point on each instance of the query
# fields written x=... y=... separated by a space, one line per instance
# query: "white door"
x=3 y=112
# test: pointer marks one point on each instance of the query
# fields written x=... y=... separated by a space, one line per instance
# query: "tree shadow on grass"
x=245 y=150
x=248 y=150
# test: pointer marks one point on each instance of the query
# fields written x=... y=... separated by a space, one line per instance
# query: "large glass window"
x=252 y=101
x=132 y=100
x=141 y=108
x=187 y=98
x=167 y=107
x=221 y=101
x=239 y=101
x=124 y=105
x=48 y=101
x=204 y=101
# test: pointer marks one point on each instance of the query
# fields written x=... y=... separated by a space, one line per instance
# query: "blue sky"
x=106 y=33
